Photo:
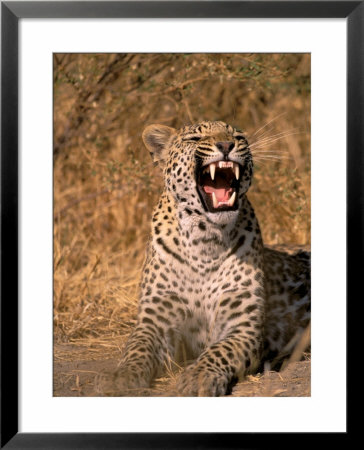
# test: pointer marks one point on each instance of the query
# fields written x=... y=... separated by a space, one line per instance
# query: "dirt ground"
x=74 y=373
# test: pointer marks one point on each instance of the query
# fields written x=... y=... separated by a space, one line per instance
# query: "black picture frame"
x=11 y=12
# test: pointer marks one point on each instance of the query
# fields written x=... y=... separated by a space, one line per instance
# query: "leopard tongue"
x=222 y=194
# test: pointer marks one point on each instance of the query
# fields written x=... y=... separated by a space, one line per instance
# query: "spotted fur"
x=210 y=290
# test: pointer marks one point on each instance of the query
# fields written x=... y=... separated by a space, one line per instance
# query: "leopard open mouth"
x=218 y=185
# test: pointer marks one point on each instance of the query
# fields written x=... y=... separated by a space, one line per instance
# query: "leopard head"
x=207 y=166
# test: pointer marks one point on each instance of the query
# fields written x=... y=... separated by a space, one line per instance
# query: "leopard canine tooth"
x=214 y=200
x=212 y=167
x=236 y=170
x=232 y=199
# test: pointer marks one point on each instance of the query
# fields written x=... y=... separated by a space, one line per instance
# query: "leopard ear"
x=156 y=139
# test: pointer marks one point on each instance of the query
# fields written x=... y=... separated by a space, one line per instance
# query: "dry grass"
x=105 y=185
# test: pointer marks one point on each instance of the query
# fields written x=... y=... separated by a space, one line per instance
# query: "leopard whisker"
x=268 y=123
x=279 y=135
x=281 y=158
x=272 y=158
x=265 y=133
x=271 y=139
x=271 y=155
x=260 y=151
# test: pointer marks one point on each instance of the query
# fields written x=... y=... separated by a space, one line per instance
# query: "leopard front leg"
x=231 y=356
x=218 y=368
x=143 y=356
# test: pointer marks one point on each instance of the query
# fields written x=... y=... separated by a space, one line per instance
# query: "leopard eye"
x=192 y=138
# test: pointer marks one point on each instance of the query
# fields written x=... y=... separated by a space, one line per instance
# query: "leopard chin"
x=223 y=217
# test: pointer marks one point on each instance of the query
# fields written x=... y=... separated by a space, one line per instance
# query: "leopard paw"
x=199 y=382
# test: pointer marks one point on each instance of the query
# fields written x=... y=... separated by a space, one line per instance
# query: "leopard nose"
x=225 y=147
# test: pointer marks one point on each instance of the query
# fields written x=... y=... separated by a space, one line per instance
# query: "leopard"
x=211 y=292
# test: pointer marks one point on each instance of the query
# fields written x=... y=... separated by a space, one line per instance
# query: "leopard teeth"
x=237 y=171
x=232 y=199
x=212 y=167
x=214 y=200
x=225 y=164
